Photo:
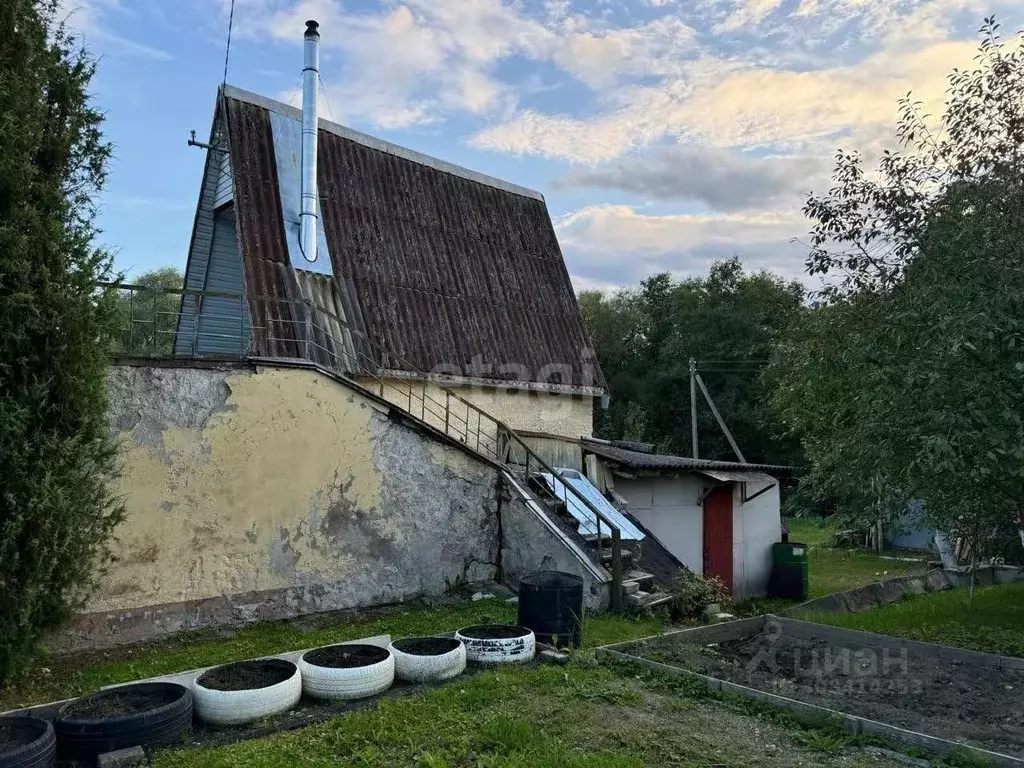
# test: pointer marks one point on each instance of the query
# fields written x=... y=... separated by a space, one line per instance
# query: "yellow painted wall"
x=557 y=414
x=277 y=486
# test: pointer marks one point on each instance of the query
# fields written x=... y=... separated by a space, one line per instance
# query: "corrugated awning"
x=733 y=476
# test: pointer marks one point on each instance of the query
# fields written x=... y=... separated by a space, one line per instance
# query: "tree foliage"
x=908 y=381
x=147 y=316
x=56 y=511
x=729 y=321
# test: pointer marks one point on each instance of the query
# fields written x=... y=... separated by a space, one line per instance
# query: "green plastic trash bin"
x=790 y=571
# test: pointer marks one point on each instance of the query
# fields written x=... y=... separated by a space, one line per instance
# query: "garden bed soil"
x=118 y=703
x=494 y=632
x=951 y=699
x=346 y=656
x=16 y=735
x=427 y=646
x=247 y=675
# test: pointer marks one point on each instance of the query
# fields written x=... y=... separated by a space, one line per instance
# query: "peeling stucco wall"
x=279 y=487
x=557 y=414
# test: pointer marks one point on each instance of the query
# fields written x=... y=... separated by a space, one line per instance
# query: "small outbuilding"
x=717 y=518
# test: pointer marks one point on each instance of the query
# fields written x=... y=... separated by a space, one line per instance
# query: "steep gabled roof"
x=449 y=270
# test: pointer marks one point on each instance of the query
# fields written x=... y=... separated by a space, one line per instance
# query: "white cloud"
x=748 y=13
x=89 y=21
x=416 y=61
x=722 y=180
x=595 y=239
x=725 y=104
x=602 y=57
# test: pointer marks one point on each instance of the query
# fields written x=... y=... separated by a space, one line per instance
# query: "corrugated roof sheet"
x=588 y=525
x=655 y=461
x=445 y=268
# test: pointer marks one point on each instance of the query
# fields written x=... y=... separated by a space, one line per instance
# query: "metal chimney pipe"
x=309 y=215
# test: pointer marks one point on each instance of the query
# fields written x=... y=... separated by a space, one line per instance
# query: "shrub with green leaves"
x=691 y=593
x=56 y=509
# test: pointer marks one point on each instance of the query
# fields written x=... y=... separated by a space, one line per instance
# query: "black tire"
x=41 y=752
x=83 y=738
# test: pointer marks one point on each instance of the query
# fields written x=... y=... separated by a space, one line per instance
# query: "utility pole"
x=693 y=406
x=720 y=420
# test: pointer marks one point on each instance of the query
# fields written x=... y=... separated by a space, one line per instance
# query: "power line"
x=227 y=50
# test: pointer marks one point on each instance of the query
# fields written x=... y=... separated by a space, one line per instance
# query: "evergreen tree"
x=56 y=327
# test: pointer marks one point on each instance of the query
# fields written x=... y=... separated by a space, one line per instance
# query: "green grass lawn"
x=994 y=623
x=579 y=716
x=55 y=678
x=836 y=570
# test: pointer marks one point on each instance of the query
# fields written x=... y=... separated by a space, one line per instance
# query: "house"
x=336 y=425
x=717 y=518
x=427 y=274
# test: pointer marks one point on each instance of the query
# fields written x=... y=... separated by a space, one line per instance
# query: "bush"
x=691 y=593
x=56 y=510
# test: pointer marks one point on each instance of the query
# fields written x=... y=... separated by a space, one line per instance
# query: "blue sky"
x=664 y=134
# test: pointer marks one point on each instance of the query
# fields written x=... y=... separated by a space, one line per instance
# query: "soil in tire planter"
x=346 y=656
x=427 y=646
x=118 y=703
x=247 y=675
x=494 y=632
x=15 y=735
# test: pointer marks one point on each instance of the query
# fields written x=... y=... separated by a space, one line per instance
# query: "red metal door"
x=718 y=535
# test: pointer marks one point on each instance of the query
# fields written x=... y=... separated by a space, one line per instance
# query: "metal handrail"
x=500 y=428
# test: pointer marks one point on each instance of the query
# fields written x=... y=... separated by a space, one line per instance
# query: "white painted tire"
x=239 y=707
x=419 y=668
x=345 y=683
x=517 y=649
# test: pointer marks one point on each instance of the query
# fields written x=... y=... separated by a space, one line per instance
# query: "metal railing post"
x=131 y=320
x=447 y=411
x=196 y=309
x=309 y=331
x=155 y=345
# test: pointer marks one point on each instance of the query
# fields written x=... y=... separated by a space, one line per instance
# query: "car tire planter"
x=143 y=714
x=498 y=643
x=428 y=659
x=26 y=742
x=239 y=693
x=343 y=672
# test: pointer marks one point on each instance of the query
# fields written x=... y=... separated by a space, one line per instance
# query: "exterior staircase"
x=639 y=591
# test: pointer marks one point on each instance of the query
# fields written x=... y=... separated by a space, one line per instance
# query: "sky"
x=664 y=134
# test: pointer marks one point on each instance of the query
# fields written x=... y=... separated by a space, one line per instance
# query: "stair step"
x=642 y=578
x=642 y=600
x=606 y=555
x=630 y=587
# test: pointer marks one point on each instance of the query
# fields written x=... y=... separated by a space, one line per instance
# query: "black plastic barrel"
x=551 y=604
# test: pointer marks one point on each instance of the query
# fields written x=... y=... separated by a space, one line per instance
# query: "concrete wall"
x=756 y=525
x=277 y=492
x=531 y=542
x=669 y=507
x=557 y=414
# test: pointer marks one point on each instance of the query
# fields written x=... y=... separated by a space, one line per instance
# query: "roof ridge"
x=239 y=94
